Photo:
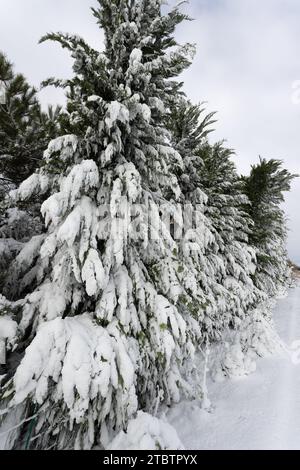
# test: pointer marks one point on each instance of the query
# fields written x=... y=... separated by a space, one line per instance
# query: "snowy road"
x=261 y=411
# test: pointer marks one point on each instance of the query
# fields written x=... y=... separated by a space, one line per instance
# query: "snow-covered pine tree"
x=231 y=260
x=265 y=188
x=232 y=227
x=241 y=319
x=24 y=128
x=25 y=131
x=111 y=303
x=189 y=126
x=250 y=331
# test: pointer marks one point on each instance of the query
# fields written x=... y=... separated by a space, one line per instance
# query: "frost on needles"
x=145 y=255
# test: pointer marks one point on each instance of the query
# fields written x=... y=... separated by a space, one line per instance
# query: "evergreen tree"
x=144 y=257
x=24 y=129
x=232 y=226
x=265 y=188
x=241 y=319
x=190 y=127
x=111 y=303
x=210 y=167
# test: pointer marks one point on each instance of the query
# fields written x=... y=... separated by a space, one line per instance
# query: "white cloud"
x=24 y=22
x=248 y=58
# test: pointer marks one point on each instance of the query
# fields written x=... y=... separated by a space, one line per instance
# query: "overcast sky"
x=247 y=63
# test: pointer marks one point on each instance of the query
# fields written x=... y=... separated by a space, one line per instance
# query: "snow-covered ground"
x=260 y=411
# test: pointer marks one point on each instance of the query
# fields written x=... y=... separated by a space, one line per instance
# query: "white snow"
x=66 y=146
x=85 y=361
x=82 y=178
x=256 y=412
x=35 y=182
x=8 y=328
x=147 y=433
x=94 y=98
x=135 y=59
x=93 y=273
x=116 y=112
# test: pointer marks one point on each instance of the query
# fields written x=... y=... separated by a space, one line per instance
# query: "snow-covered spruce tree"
x=111 y=300
x=265 y=188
